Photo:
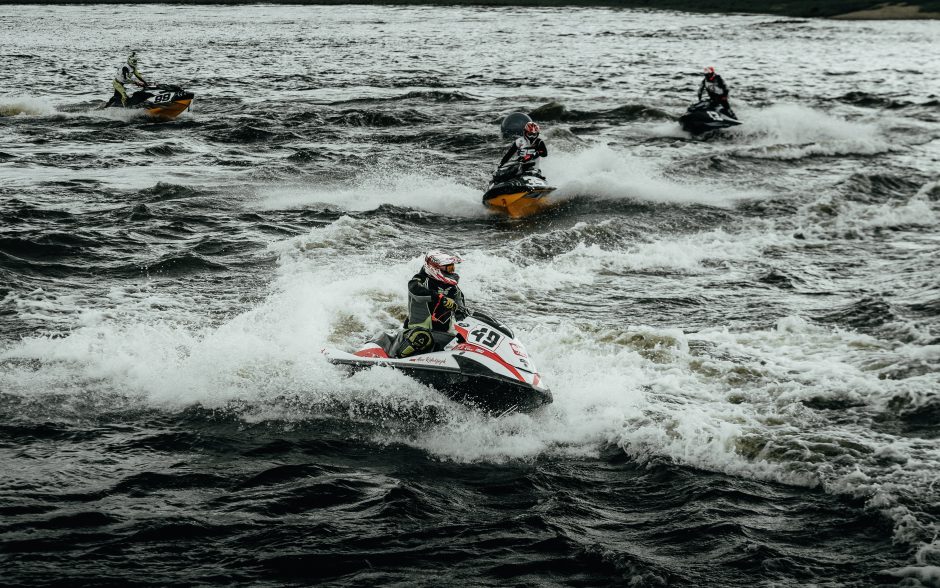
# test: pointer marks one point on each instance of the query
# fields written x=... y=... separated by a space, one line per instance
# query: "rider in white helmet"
x=127 y=73
x=527 y=149
x=433 y=300
x=716 y=88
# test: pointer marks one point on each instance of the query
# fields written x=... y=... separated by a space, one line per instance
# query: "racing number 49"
x=485 y=337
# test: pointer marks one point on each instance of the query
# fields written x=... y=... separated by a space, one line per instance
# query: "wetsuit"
x=429 y=321
x=125 y=74
x=527 y=151
x=717 y=91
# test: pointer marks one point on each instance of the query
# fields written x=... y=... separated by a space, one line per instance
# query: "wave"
x=555 y=111
x=246 y=134
x=417 y=95
x=407 y=189
x=876 y=187
x=28 y=106
x=177 y=264
x=46 y=246
x=859 y=98
x=793 y=131
x=600 y=172
x=373 y=118
x=162 y=191
x=713 y=400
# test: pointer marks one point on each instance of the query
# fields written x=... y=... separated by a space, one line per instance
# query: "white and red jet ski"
x=484 y=366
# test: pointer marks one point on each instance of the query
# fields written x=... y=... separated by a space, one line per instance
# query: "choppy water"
x=742 y=336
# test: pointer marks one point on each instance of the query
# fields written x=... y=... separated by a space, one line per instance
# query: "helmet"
x=132 y=60
x=530 y=131
x=442 y=266
x=709 y=71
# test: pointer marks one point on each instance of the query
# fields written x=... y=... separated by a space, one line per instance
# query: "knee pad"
x=418 y=340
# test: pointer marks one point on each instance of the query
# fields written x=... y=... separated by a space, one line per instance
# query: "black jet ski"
x=163 y=101
x=703 y=119
x=484 y=366
x=517 y=190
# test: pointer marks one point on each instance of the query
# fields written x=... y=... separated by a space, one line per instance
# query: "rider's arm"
x=723 y=86
x=418 y=290
x=701 y=89
x=139 y=77
x=542 y=149
x=512 y=150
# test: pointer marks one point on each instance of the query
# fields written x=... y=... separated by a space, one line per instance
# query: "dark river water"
x=742 y=335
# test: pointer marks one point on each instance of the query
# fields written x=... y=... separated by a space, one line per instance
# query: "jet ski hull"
x=703 y=120
x=483 y=366
x=468 y=383
x=163 y=102
x=519 y=204
x=517 y=193
x=169 y=111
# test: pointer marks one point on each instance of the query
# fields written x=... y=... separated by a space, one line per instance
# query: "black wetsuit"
x=430 y=324
x=717 y=91
x=522 y=147
x=426 y=302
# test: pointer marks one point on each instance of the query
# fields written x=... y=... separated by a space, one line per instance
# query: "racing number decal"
x=486 y=337
x=163 y=98
x=713 y=114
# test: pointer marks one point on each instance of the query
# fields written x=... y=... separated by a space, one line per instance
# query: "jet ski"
x=517 y=190
x=703 y=119
x=162 y=101
x=484 y=366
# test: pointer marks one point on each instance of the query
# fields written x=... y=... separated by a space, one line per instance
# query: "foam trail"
x=416 y=190
x=793 y=131
x=25 y=105
x=601 y=172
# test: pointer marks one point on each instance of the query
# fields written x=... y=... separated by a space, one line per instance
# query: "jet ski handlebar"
x=482 y=316
x=164 y=87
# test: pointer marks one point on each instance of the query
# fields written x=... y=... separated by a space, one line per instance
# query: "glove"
x=449 y=303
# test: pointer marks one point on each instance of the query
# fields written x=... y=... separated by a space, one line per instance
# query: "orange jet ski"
x=518 y=191
x=162 y=101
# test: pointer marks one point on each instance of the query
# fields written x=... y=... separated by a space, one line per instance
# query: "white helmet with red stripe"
x=531 y=131
x=442 y=267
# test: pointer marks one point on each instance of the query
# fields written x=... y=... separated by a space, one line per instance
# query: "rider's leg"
x=120 y=91
x=416 y=341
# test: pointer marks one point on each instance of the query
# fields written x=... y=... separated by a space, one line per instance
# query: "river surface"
x=742 y=335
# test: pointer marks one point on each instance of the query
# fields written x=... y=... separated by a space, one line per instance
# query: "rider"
x=528 y=148
x=717 y=91
x=433 y=300
x=127 y=73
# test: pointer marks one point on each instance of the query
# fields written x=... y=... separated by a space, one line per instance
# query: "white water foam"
x=595 y=172
x=407 y=189
x=25 y=105
x=793 y=131
x=604 y=173
x=737 y=408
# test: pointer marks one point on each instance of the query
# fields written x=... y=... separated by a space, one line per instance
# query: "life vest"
x=713 y=86
x=126 y=74
x=525 y=147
